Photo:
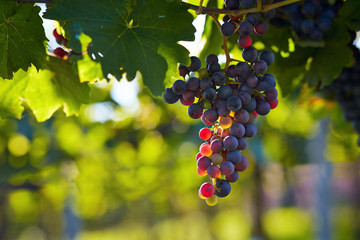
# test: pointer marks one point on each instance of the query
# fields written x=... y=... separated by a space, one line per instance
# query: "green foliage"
x=44 y=92
x=126 y=38
x=22 y=38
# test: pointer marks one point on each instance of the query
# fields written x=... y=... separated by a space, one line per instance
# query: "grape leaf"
x=22 y=38
x=44 y=92
x=126 y=35
x=350 y=13
x=328 y=62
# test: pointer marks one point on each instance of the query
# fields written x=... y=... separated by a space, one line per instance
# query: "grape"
x=216 y=146
x=324 y=24
x=291 y=10
x=211 y=58
x=225 y=132
x=316 y=35
x=211 y=201
x=195 y=111
x=186 y=103
x=205 y=121
x=60 y=52
x=250 y=106
x=308 y=9
x=237 y=129
x=269 y=14
x=307 y=26
x=227 y=168
x=261 y=27
x=170 y=97
x=214 y=67
x=193 y=83
x=250 y=130
x=271 y=94
x=328 y=13
x=262 y=107
x=246 y=3
x=273 y=103
x=245 y=96
x=227 y=29
x=207 y=189
x=179 y=87
x=203 y=163
x=242 y=68
x=222 y=188
x=222 y=110
x=232 y=177
x=183 y=70
x=198 y=155
x=205 y=134
x=244 y=41
x=252 y=81
x=242 y=165
x=213 y=171
x=233 y=156
x=253 y=18
x=219 y=78
x=201 y=172
x=232 y=4
x=233 y=103
x=230 y=143
x=195 y=64
x=245 y=28
x=210 y=115
x=209 y=94
x=217 y=159
x=267 y=56
x=241 y=116
x=206 y=83
x=260 y=67
x=224 y=92
x=242 y=144
x=188 y=96
x=249 y=54
x=231 y=71
x=267 y=82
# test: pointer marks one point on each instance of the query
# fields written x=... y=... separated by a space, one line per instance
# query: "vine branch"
x=238 y=12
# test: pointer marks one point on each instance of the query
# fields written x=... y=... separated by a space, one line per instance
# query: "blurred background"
x=125 y=168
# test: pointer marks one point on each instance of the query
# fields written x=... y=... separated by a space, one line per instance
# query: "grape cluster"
x=251 y=24
x=228 y=101
x=310 y=20
x=347 y=92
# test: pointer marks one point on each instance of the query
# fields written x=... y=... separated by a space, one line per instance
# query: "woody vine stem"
x=240 y=12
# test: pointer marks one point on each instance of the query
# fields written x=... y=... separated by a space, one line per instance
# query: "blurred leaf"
x=350 y=13
x=126 y=37
x=22 y=38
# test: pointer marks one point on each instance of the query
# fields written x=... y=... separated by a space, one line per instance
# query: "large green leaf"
x=22 y=38
x=126 y=35
x=44 y=92
x=350 y=13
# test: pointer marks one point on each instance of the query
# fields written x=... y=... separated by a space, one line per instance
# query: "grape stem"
x=239 y=12
x=259 y=5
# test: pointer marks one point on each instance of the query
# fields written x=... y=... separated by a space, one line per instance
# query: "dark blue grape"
x=260 y=67
x=203 y=163
x=246 y=28
x=324 y=24
x=211 y=58
x=233 y=156
x=195 y=64
x=219 y=78
x=237 y=130
x=247 y=3
x=267 y=56
x=267 y=82
x=253 y=18
x=245 y=97
x=250 y=106
x=214 y=67
x=188 y=96
x=249 y=54
x=291 y=9
x=308 y=9
x=316 y=35
x=232 y=4
x=269 y=14
x=233 y=103
x=262 y=107
x=222 y=188
x=307 y=26
x=230 y=143
x=170 y=97
x=328 y=13
x=232 y=177
x=242 y=143
x=195 y=111
x=242 y=69
x=209 y=94
x=250 y=130
x=179 y=87
x=183 y=70
x=206 y=82
x=252 y=81
x=271 y=94
x=222 y=110
x=224 y=92
x=241 y=116
x=193 y=83
x=231 y=71
x=227 y=29
x=211 y=115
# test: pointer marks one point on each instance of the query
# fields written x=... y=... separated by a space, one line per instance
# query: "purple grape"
x=262 y=107
x=227 y=29
x=233 y=103
x=222 y=188
x=211 y=115
x=211 y=58
x=195 y=111
x=241 y=116
x=193 y=83
x=179 y=87
x=209 y=94
x=250 y=130
x=203 y=163
x=206 y=82
x=230 y=143
x=260 y=67
x=218 y=78
x=195 y=64
x=224 y=92
x=242 y=144
x=170 y=97
x=233 y=156
x=249 y=54
x=267 y=56
x=232 y=177
x=245 y=28
x=227 y=167
x=216 y=146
